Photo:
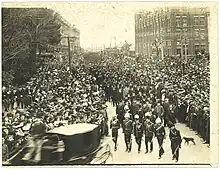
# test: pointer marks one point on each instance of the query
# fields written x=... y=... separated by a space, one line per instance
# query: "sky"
x=101 y=23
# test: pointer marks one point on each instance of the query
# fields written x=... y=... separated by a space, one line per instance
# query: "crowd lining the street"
x=166 y=88
x=59 y=95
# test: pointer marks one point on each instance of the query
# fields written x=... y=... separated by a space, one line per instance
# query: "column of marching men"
x=162 y=90
x=184 y=94
x=149 y=126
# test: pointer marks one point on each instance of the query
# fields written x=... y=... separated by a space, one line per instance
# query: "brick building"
x=172 y=31
x=68 y=30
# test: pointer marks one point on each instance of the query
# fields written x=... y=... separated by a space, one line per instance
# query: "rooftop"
x=179 y=9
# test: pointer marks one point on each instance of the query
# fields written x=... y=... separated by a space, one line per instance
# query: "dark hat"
x=170 y=124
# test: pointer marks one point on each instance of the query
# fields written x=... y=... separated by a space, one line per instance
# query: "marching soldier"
x=159 y=110
x=120 y=112
x=176 y=140
x=138 y=132
x=148 y=130
x=127 y=129
x=115 y=125
x=160 y=134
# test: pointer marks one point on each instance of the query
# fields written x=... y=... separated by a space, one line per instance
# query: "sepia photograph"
x=109 y=84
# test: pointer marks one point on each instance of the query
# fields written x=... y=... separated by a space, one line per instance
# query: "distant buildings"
x=68 y=30
x=172 y=31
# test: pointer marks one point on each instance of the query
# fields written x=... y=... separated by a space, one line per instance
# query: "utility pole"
x=182 y=47
x=68 y=41
x=185 y=58
x=161 y=48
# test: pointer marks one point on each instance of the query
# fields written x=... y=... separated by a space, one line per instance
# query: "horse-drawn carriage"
x=66 y=145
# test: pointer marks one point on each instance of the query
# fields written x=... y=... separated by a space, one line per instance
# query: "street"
x=189 y=154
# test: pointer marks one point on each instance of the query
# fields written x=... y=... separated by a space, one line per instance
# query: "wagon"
x=74 y=144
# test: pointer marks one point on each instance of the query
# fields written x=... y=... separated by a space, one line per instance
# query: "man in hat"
x=138 y=131
x=160 y=134
x=176 y=140
x=166 y=110
x=148 y=130
x=127 y=130
x=115 y=125
x=120 y=112
x=159 y=110
x=134 y=108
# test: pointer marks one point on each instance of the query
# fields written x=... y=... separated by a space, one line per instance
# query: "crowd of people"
x=166 y=88
x=61 y=95
x=150 y=94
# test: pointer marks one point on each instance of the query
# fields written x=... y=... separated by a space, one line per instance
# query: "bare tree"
x=26 y=31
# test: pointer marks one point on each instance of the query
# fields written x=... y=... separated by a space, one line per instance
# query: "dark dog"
x=187 y=140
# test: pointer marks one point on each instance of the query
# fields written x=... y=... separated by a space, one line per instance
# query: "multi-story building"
x=172 y=31
x=68 y=30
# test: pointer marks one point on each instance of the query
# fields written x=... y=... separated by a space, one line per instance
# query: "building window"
x=169 y=51
x=184 y=22
x=168 y=43
x=203 y=49
x=202 y=20
x=202 y=35
x=196 y=20
x=197 y=49
x=178 y=51
x=196 y=31
x=178 y=23
x=178 y=36
x=178 y=43
x=184 y=29
x=185 y=50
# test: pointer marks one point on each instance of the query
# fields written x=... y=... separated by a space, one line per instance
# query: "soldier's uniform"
x=138 y=132
x=160 y=134
x=115 y=125
x=120 y=113
x=176 y=140
x=148 y=130
x=127 y=130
